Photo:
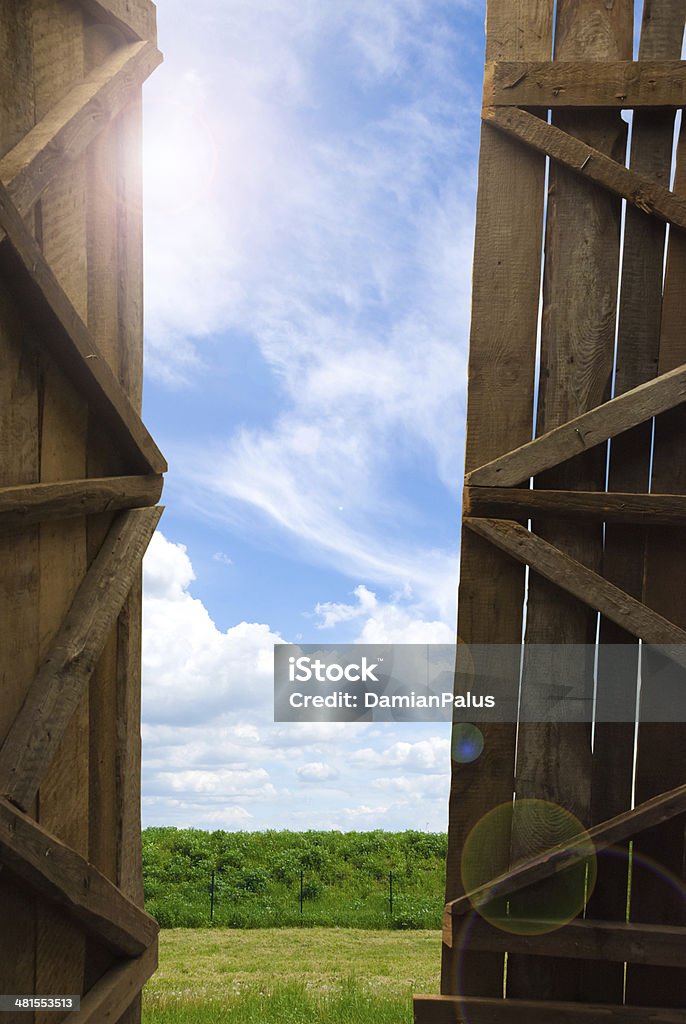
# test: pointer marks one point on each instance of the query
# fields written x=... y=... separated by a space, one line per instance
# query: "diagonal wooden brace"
x=584 y=432
x=60 y=683
x=643 y=193
x=64 y=334
x=62 y=876
x=69 y=128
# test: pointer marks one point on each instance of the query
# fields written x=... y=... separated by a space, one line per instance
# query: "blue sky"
x=310 y=185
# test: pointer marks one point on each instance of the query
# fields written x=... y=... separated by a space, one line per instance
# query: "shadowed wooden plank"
x=134 y=19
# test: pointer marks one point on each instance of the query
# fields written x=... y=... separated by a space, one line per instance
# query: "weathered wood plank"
x=63 y=678
x=500 y=410
x=465 y=1010
x=19 y=464
x=70 y=126
x=583 y=83
x=638 y=189
x=607 y=941
x=65 y=335
x=66 y=879
x=61 y=221
x=630 y=823
x=109 y=998
x=638 y=339
x=34 y=503
x=582 y=583
x=661 y=754
x=135 y=19
x=603 y=506
x=586 y=431
x=577 y=349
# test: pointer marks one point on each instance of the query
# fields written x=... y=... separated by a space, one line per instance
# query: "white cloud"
x=340 y=244
x=333 y=613
x=213 y=757
x=316 y=771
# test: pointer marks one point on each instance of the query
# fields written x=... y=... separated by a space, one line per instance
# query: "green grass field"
x=291 y=976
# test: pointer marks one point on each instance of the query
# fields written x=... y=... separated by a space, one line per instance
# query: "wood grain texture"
x=110 y=999
x=644 y=816
x=65 y=335
x=499 y=414
x=57 y=39
x=133 y=19
x=70 y=126
x=610 y=942
x=583 y=432
x=584 y=83
x=19 y=464
x=661 y=754
x=638 y=340
x=456 y=1010
x=565 y=572
x=577 y=348
x=631 y=184
x=65 y=878
x=63 y=678
x=603 y=506
x=34 y=503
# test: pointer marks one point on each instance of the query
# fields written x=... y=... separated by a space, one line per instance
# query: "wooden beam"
x=500 y=403
x=54 y=695
x=565 y=855
x=603 y=506
x=114 y=993
x=34 y=503
x=573 y=577
x=70 y=126
x=585 y=431
x=62 y=876
x=641 y=192
x=135 y=19
x=589 y=940
x=66 y=337
x=574 y=83
x=471 y=1010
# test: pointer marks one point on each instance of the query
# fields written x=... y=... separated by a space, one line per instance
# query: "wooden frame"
x=85 y=648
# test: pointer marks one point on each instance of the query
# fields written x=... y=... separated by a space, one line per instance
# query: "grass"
x=290 y=976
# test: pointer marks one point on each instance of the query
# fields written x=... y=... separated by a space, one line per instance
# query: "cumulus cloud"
x=316 y=771
x=214 y=758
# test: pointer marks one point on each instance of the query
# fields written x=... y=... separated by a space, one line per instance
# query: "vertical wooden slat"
x=662 y=747
x=63 y=799
x=577 y=349
x=637 y=358
x=130 y=306
x=19 y=458
x=499 y=415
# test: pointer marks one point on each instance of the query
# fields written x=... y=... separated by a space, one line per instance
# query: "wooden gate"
x=576 y=378
x=79 y=479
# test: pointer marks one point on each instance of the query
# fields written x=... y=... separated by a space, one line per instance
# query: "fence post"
x=212 y=897
x=301 y=892
x=390 y=893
